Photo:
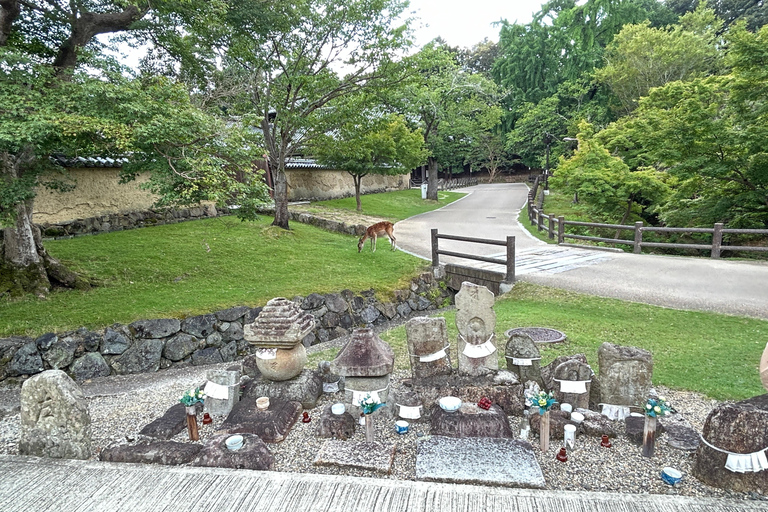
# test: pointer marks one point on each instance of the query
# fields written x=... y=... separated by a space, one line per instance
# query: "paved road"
x=47 y=485
x=490 y=211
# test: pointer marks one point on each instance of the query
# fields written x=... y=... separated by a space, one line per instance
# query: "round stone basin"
x=538 y=334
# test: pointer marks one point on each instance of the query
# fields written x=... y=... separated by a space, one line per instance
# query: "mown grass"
x=716 y=355
x=397 y=205
x=556 y=204
x=201 y=266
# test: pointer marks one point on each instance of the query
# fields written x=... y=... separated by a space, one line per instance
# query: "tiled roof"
x=304 y=163
x=89 y=161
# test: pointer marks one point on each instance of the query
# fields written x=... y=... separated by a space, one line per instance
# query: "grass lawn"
x=397 y=205
x=559 y=205
x=716 y=355
x=201 y=266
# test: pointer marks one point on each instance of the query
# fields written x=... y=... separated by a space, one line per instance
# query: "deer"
x=375 y=231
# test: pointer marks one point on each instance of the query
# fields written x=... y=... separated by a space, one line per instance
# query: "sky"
x=467 y=22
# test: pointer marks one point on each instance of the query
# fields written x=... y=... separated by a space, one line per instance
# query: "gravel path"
x=121 y=406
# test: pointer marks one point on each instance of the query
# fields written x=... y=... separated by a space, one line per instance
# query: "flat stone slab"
x=479 y=460
x=470 y=421
x=271 y=425
x=373 y=456
x=169 y=424
x=158 y=452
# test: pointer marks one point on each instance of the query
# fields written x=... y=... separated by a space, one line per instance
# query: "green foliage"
x=641 y=57
x=191 y=268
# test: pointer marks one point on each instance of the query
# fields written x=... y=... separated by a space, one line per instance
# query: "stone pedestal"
x=222 y=391
x=337 y=426
x=476 y=322
x=271 y=425
x=355 y=388
x=305 y=389
x=470 y=421
x=54 y=418
x=254 y=454
x=428 y=347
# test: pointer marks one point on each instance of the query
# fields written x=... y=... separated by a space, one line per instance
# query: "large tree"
x=285 y=81
x=49 y=106
x=372 y=144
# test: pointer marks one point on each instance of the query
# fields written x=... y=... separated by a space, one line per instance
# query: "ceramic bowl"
x=671 y=475
x=338 y=408
x=566 y=407
x=577 y=417
x=234 y=443
x=401 y=427
x=262 y=403
x=450 y=403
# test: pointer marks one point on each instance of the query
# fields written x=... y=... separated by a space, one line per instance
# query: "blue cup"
x=401 y=427
x=671 y=476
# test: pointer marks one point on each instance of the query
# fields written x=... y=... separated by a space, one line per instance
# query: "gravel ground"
x=121 y=406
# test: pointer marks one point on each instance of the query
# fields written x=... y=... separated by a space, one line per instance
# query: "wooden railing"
x=443 y=184
x=508 y=262
x=555 y=226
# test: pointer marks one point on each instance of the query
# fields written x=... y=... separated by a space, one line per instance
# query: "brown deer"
x=375 y=231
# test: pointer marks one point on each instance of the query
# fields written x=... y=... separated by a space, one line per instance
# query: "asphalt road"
x=490 y=211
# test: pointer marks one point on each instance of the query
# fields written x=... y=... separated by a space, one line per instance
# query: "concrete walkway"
x=490 y=211
x=41 y=485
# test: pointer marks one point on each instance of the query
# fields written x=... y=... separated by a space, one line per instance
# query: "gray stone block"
x=484 y=461
x=142 y=357
x=180 y=346
x=26 y=361
x=372 y=456
x=114 y=342
x=254 y=454
x=206 y=356
x=61 y=353
x=232 y=314
x=169 y=453
x=199 y=326
x=158 y=328
x=90 y=365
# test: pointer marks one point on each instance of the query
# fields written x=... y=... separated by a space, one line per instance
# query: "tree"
x=372 y=145
x=49 y=107
x=286 y=81
x=641 y=57
x=443 y=100
x=753 y=12
x=605 y=183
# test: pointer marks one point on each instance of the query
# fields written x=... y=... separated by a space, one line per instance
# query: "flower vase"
x=544 y=432
x=192 y=423
x=368 y=428
x=649 y=436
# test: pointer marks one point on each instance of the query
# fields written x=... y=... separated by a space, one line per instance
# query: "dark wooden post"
x=510 y=278
x=551 y=227
x=717 y=240
x=538 y=220
x=638 y=237
x=435 y=257
x=560 y=230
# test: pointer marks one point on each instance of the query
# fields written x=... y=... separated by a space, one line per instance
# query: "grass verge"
x=200 y=266
x=713 y=354
x=395 y=206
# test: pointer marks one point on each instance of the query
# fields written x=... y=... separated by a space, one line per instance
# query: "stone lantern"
x=366 y=363
x=277 y=333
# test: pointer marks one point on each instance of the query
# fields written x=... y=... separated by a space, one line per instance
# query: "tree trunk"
x=432 y=179
x=358 y=178
x=281 y=199
x=625 y=217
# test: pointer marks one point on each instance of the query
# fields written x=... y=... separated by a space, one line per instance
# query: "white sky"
x=467 y=22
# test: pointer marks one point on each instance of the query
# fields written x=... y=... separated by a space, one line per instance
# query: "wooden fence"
x=508 y=262
x=443 y=184
x=556 y=226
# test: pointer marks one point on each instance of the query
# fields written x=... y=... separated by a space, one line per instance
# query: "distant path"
x=490 y=211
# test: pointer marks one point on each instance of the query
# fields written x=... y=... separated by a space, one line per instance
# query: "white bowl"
x=262 y=403
x=234 y=443
x=338 y=408
x=566 y=407
x=577 y=417
x=449 y=403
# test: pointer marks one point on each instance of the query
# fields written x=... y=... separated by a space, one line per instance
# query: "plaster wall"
x=98 y=192
x=329 y=184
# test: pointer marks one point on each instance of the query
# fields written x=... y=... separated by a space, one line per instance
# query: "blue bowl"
x=671 y=476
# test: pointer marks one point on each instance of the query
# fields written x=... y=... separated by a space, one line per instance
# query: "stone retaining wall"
x=151 y=345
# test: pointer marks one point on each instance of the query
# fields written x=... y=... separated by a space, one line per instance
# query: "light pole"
x=548 y=142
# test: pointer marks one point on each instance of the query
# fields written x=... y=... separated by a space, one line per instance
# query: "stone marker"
x=54 y=417
x=596 y=425
x=254 y=454
x=271 y=425
x=278 y=332
x=485 y=461
x=339 y=426
x=366 y=363
x=625 y=374
x=571 y=383
x=169 y=453
x=548 y=371
x=476 y=322
x=374 y=456
x=679 y=432
x=428 y=347
x=634 y=427
x=740 y=428
x=222 y=391
x=523 y=358
x=470 y=421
